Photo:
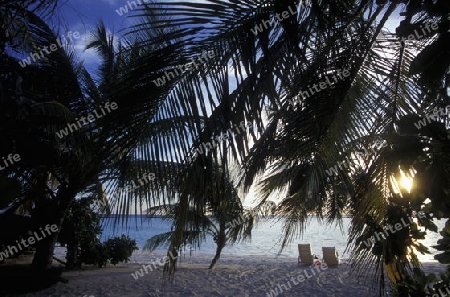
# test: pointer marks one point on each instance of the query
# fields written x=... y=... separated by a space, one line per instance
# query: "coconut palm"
x=299 y=130
x=33 y=100
x=268 y=71
x=223 y=216
x=43 y=98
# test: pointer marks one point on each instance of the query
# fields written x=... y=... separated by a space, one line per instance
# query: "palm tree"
x=304 y=127
x=223 y=216
x=43 y=98
x=269 y=76
x=33 y=100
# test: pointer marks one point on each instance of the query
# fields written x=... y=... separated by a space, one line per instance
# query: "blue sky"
x=82 y=16
x=88 y=12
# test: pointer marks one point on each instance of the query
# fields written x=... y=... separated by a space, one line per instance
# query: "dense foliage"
x=80 y=232
x=257 y=77
x=120 y=249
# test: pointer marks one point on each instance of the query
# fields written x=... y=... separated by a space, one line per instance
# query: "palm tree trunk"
x=221 y=242
x=48 y=213
x=216 y=257
x=43 y=257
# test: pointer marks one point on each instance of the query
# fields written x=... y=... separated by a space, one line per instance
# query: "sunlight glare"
x=406 y=182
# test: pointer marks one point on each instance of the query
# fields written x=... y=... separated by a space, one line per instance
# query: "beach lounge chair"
x=305 y=255
x=330 y=256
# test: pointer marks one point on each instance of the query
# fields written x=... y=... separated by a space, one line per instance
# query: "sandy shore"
x=234 y=276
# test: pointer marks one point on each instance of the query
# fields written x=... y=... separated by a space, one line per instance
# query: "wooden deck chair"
x=330 y=256
x=305 y=255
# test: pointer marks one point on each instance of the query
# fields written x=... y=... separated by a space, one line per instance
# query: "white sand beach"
x=234 y=276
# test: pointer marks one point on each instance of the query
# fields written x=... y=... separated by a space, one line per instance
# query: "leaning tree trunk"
x=221 y=242
x=50 y=213
x=43 y=257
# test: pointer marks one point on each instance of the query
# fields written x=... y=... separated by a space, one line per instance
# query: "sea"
x=266 y=238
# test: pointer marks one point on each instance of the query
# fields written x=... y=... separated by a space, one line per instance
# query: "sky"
x=83 y=15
